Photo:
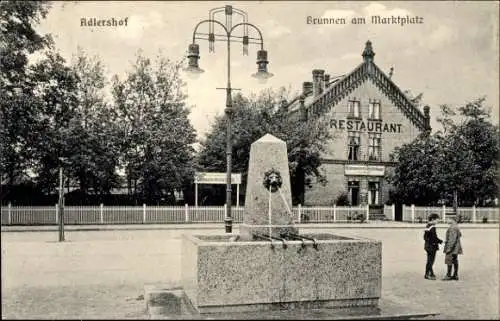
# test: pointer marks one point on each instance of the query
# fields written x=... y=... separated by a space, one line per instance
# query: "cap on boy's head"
x=432 y=217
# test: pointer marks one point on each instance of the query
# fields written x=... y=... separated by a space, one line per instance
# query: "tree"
x=413 y=179
x=157 y=136
x=458 y=164
x=18 y=39
x=55 y=104
x=469 y=159
x=94 y=133
x=256 y=116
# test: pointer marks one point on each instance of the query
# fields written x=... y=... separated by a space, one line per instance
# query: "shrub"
x=360 y=217
x=485 y=219
x=342 y=199
x=463 y=219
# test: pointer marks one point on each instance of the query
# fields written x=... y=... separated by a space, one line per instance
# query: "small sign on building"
x=216 y=178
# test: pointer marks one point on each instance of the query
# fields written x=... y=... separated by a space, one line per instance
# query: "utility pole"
x=61 y=205
x=455 y=202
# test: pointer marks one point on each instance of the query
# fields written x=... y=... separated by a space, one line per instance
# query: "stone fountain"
x=272 y=271
x=270 y=265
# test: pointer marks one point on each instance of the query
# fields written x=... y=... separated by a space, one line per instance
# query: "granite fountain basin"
x=223 y=273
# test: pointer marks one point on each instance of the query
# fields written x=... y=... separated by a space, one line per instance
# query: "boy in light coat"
x=452 y=248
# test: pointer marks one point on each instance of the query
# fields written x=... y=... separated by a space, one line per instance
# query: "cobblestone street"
x=101 y=274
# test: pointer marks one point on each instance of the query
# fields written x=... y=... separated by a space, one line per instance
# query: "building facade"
x=369 y=116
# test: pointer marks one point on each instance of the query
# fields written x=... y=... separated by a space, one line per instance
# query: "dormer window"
x=353 y=106
x=374 y=110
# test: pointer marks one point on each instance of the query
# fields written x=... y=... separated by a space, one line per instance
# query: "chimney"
x=427 y=119
x=302 y=108
x=326 y=80
x=307 y=88
x=318 y=81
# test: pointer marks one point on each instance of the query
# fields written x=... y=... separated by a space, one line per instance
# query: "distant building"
x=369 y=116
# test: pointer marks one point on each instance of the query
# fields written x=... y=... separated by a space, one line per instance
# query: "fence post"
x=474 y=213
x=444 y=213
x=186 y=213
x=143 y=213
x=334 y=213
x=413 y=213
x=57 y=213
x=101 y=212
x=393 y=207
x=9 y=212
x=367 y=213
x=299 y=212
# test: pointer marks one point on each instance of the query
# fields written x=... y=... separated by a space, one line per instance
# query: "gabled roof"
x=341 y=88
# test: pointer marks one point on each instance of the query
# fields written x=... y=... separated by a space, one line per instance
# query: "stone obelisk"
x=268 y=198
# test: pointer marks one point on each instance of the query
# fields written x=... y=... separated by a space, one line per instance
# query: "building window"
x=354 y=144
x=373 y=193
x=353 y=192
x=374 y=110
x=374 y=146
x=353 y=108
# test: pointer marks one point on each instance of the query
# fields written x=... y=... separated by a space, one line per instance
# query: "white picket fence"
x=472 y=214
x=305 y=214
x=90 y=215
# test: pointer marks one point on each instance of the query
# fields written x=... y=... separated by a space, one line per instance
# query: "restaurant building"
x=369 y=116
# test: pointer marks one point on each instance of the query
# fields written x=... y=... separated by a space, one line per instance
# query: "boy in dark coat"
x=452 y=248
x=431 y=246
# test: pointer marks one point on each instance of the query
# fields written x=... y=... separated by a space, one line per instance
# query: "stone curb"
x=139 y=227
x=390 y=308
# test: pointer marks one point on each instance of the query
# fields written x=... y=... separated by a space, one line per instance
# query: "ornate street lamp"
x=194 y=71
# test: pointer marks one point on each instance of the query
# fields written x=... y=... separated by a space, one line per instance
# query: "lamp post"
x=194 y=70
x=62 y=160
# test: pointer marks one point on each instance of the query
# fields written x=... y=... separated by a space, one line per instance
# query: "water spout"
x=264 y=237
x=301 y=238
x=271 y=238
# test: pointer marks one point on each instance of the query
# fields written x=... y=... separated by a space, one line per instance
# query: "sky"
x=452 y=57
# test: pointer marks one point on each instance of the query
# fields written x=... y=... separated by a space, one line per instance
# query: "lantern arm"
x=261 y=43
x=211 y=21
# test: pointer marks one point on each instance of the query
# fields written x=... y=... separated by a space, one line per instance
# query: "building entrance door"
x=354 y=192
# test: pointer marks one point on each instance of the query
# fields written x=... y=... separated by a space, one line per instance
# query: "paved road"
x=101 y=274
